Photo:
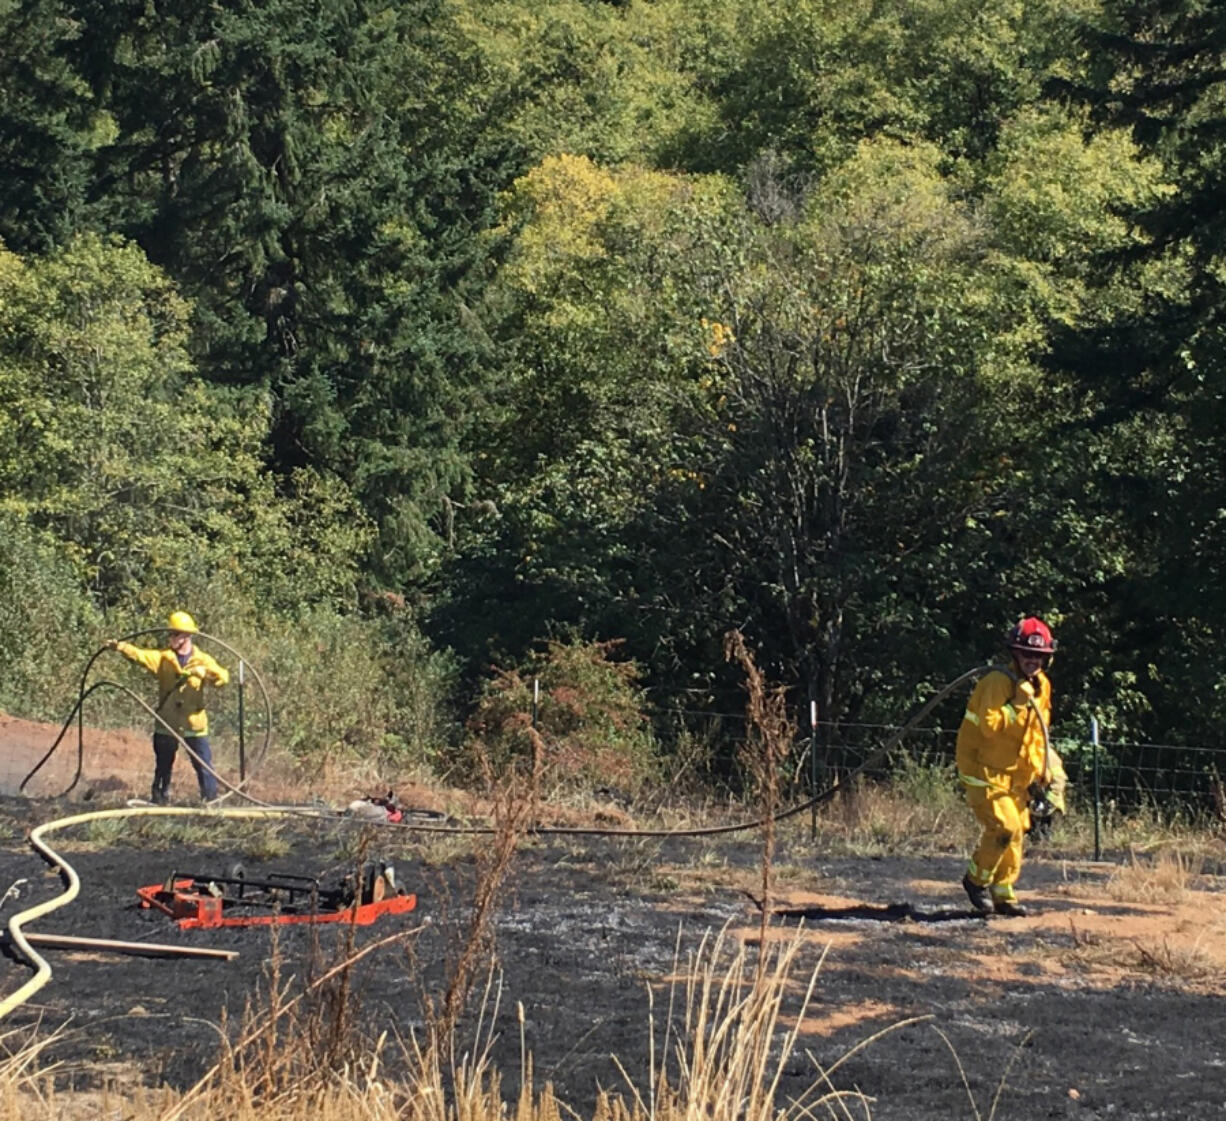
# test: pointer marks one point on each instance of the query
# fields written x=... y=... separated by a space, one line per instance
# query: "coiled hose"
x=79 y=713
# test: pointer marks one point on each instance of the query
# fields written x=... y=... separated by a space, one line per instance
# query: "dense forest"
x=423 y=346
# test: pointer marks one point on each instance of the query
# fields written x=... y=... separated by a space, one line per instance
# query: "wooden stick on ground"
x=146 y=949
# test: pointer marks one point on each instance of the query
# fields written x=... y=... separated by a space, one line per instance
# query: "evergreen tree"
x=48 y=125
x=1154 y=373
x=293 y=168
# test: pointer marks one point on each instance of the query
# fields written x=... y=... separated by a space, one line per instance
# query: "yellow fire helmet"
x=183 y=622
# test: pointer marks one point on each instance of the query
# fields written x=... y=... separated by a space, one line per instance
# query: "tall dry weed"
x=771 y=734
x=293 y=1048
x=515 y=805
x=739 y=1035
x=732 y=1035
x=26 y=1075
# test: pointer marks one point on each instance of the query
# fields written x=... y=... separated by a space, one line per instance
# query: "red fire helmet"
x=1031 y=635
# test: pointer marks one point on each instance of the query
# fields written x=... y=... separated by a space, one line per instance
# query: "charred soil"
x=1106 y=1001
x=1094 y=1006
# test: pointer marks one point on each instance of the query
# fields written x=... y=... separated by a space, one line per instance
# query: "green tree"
x=868 y=370
x=613 y=83
x=150 y=479
x=49 y=125
x=593 y=355
x=308 y=177
x=810 y=80
x=826 y=421
x=1152 y=375
x=43 y=608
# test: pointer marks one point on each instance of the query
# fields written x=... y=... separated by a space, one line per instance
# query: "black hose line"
x=340 y=817
x=712 y=830
x=822 y=796
x=83 y=693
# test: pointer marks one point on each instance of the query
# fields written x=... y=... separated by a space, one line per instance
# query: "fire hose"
x=72 y=881
x=83 y=693
x=263 y=810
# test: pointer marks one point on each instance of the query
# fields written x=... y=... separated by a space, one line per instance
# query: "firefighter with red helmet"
x=1005 y=761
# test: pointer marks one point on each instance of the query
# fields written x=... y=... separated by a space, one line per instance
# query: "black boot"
x=161 y=792
x=1010 y=908
x=980 y=899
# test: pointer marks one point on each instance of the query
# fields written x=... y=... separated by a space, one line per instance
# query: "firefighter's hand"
x=110 y=644
x=1025 y=694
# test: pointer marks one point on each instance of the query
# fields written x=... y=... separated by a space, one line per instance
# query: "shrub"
x=589 y=715
x=348 y=686
x=44 y=615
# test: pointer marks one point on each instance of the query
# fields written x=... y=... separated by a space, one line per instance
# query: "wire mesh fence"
x=1174 y=779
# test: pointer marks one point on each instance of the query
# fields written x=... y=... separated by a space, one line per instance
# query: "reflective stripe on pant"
x=997 y=860
x=165 y=748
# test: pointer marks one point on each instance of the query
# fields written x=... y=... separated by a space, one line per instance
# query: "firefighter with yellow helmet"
x=182 y=670
x=1005 y=761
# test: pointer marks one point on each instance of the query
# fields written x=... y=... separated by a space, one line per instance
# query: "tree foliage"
x=861 y=328
x=146 y=475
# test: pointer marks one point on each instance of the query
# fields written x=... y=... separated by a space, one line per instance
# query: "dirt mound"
x=118 y=761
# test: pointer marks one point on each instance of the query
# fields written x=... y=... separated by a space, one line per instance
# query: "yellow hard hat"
x=183 y=622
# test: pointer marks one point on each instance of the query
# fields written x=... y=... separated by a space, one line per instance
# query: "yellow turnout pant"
x=1005 y=817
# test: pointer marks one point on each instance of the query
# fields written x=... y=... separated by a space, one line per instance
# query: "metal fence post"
x=813 y=768
x=242 y=738
x=1097 y=788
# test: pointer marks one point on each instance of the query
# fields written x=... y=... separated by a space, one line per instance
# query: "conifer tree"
x=48 y=123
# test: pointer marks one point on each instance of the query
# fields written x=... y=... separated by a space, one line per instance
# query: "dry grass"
x=300 y=1055
x=1167 y=877
x=515 y=801
x=26 y=1076
x=1173 y=961
x=731 y=1033
x=238 y=1091
x=295 y=1048
x=872 y=817
x=735 y=1044
x=256 y=840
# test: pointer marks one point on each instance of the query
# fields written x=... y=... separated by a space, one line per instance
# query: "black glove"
x=1039 y=805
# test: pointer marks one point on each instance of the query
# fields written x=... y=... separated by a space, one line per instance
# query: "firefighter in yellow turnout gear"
x=182 y=670
x=1004 y=760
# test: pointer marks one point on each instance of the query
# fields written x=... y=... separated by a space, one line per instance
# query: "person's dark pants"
x=165 y=748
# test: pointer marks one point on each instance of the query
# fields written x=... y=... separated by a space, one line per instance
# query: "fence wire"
x=1174 y=779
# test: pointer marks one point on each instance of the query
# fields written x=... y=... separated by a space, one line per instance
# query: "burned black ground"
x=584 y=927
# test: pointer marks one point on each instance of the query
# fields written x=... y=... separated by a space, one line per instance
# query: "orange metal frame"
x=193 y=910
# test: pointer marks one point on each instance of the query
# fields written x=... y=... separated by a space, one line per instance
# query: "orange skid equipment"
x=201 y=901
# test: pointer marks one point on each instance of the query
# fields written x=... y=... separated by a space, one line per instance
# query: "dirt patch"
x=112 y=762
x=113 y=765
